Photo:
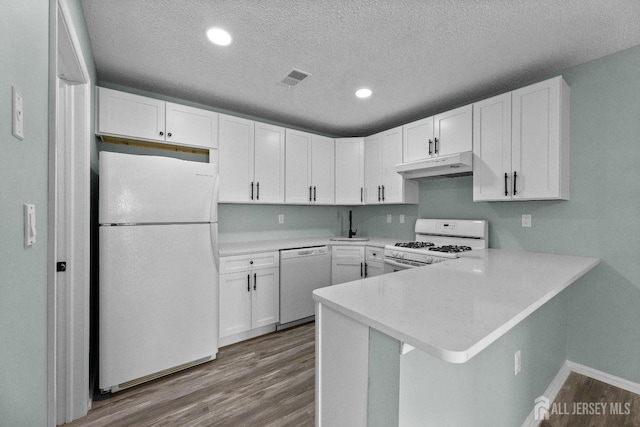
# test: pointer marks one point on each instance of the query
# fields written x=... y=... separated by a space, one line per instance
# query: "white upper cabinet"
x=439 y=135
x=492 y=148
x=521 y=144
x=453 y=131
x=373 y=169
x=383 y=151
x=269 y=163
x=418 y=140
x=309 y=176
x=236 y=154
x=191 y=126
x=323 y=169
x=131 y=116
x=251 y=159
x=349 y=171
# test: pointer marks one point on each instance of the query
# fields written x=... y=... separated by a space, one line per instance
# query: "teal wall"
x=24 y=48
x=484 y=392
x=241 y=223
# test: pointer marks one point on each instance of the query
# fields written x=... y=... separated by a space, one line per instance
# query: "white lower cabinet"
x=374 y=261
x=249 y=296
x=347 y=263
x=355 y=262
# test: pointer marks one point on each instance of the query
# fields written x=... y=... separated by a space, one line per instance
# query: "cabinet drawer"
x=236 y=263
x=374 y=254
x=347 y=252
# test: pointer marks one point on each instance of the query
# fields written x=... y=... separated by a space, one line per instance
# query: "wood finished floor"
x=579 y=389
x=269 y=381
x=266 y=381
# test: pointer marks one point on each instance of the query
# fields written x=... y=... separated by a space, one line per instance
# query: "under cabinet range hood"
x=451 y=165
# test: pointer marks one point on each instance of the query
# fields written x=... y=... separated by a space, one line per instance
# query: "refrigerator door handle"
x=213 y=228
x=214 y=199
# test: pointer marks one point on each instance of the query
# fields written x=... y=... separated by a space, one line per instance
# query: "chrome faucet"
x=351 y=232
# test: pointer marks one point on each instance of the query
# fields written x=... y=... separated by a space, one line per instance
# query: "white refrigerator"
x=158 y=289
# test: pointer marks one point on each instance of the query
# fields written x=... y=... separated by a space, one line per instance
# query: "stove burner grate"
x=452 y=249
x=415 y=245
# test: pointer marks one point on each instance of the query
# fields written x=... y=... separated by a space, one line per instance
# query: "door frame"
x=68 y=389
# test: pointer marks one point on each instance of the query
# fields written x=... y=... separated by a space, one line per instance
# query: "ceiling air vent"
x=294 y=77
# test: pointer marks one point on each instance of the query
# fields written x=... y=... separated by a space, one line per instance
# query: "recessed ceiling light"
x=219 y=36
x=363 y=93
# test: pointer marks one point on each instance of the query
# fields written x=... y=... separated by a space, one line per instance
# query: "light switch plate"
x=29 y=225
x=526 y=220
x=401 y=219
x=17 y=127
x=389 y=218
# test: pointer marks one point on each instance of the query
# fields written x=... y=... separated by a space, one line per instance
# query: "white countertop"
x=455 y=309
x=242 y=248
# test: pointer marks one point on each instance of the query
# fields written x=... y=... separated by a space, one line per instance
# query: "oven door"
x=391 y=265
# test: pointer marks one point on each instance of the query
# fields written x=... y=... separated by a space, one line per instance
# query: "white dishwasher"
x=301 y=271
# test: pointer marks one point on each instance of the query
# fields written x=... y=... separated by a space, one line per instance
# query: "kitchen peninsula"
x=465 y=317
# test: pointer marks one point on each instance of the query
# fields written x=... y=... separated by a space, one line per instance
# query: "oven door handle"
x=398 y=264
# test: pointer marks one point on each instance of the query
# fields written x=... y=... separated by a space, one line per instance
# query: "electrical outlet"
x=401 y=219
x=526 y=220
x=281 y=219
x=517 y=362
x=389 y=217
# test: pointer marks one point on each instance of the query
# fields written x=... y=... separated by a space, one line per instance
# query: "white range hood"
x=458 y=164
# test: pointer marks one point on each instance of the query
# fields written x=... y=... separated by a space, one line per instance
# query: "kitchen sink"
x=349 y=239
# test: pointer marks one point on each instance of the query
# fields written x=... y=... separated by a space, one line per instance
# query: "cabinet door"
x=322 y=170
x=265 y=297
x=191 y=126
x=269 y=163
x=347 y=263
x=373 y=169
x=374 y=261
x=492 y=148
x=417 y=141
x=453 y=130
x=298 y=167
x=392 y=192
x=540 y=141
x=236 y=139
x=235 y=303
x=130 y=116
x=349 y=171
x=374 y=268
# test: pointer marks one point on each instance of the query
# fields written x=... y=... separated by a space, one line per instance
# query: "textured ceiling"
x=419 y=56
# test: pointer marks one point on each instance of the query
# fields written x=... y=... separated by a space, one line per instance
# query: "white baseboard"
x=556 y=384
x=243 y=336
x=604 y=377
x=550 y=393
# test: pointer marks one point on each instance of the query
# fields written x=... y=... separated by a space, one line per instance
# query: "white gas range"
x=437 y=240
